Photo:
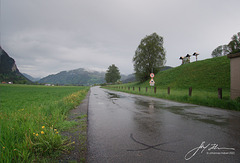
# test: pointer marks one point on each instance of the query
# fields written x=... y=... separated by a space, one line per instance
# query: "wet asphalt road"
x=130 y=128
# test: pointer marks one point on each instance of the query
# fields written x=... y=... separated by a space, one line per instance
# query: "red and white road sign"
x=152 y=82
x=152 y=75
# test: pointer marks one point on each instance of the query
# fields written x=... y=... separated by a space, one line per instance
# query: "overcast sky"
x=48 y=36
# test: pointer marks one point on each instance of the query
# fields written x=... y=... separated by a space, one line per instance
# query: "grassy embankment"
x=205 y=77
x=31 y=119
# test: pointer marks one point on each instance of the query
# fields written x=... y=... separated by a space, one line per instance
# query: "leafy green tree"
x=232 y=47
x=113 y=74
x=149 y=56
x=221 y=51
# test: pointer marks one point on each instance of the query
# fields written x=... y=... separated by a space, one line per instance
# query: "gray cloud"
x=46 y=37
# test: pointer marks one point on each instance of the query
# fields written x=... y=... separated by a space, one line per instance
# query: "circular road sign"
x=152 y=75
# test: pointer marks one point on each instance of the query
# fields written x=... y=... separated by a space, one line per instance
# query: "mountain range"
x=10 y=73
x=81 y=76
x=75 y=77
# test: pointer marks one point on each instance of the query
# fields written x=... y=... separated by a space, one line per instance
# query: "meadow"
x=32 y=118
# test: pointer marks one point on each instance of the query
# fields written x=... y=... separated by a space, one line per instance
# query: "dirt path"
x=78 y=134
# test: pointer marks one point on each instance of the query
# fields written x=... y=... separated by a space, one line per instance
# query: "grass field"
x=31 y=118
x=205 y=77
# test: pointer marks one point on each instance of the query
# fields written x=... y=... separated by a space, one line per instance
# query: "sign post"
x=152 y=82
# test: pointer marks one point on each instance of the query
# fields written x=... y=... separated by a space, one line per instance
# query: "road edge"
x=77 y=134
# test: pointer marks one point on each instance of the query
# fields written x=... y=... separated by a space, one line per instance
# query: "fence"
x=190 y=90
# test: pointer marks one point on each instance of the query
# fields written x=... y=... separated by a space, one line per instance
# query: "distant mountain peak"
x=95 y=70
x=7 y=64
x=8 y=69
x=31 y=78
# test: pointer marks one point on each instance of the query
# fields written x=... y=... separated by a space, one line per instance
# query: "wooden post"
x=139 y=89
x=190 y=91
x=128 y=88
x=133 y=88
x=220 y=93
x=146 y=89
x=169 y=90
x=155 y=90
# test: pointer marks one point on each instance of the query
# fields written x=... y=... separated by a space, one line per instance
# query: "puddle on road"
x=184 y=111
x=113 y=95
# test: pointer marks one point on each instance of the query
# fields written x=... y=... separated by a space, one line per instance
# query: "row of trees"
x=149 y=57
x=232 y=47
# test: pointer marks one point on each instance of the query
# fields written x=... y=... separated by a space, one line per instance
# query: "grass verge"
x=32 y=118
x=77 y=134
x=199 y=97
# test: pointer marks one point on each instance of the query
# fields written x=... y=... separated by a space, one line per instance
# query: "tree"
x=220 y=51
x=149 y=56
x=113 y=74
x=232 y=47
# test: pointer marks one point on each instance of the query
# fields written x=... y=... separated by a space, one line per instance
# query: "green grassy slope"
x=205 y=77
x=208 y=74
